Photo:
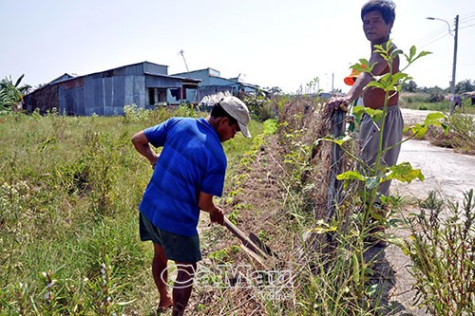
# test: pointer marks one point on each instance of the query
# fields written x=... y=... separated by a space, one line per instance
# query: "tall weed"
x=442 y=252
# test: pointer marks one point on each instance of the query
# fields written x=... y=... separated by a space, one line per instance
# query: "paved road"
x=445 y=171
x=411 y=117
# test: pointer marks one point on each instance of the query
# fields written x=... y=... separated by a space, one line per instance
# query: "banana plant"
x=11 y=94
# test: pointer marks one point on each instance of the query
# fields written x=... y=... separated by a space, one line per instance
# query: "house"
x=211 y=82
x=469 y=95
x=106 y=93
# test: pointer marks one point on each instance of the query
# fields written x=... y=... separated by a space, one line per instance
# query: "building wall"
x=209 y=90
x=210 y=83
x=161 y=82
x=155 y=69
x=44 y=99
x=202 y=75
x=106 y=93
x=102 y=96
x=214 y=81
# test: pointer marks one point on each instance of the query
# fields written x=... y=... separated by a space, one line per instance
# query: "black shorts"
x=177 y=247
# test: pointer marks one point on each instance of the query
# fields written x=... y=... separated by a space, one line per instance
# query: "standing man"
x=187 y=174
x=378 y=18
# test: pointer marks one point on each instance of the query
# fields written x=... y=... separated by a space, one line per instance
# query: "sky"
x=268 y=42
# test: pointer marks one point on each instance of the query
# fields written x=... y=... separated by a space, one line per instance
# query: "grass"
x=69 y=192
x=420 y=101
x=461 y=124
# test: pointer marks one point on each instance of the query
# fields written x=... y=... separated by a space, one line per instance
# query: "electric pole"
x=454 y=66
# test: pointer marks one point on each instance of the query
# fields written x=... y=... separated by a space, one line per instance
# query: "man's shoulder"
x=182 y=120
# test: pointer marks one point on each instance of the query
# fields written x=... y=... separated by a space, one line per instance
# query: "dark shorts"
x=177 y=247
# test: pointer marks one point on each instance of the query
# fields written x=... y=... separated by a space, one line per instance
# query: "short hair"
x=218 y=111
x=385 y=7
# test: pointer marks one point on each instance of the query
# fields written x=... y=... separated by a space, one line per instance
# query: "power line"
x=430 y=39
x=435 y=40
x=468 y=21
x=442 y=32
x=466 y=26
x=468 y=16
x=430 y=36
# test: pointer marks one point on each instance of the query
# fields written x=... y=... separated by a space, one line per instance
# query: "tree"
x=275 y=90
x=409 y=86
x=464 y=86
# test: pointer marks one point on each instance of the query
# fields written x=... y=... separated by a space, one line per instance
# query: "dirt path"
x=447 y=173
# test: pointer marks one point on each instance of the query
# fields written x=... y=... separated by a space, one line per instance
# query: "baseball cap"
x=239 y=111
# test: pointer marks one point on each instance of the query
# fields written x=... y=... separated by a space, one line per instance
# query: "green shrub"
x=442 y=254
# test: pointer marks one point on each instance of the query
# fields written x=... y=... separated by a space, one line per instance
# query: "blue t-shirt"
x=192 y=160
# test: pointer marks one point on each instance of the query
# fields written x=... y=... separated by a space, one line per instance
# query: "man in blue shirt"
x=187 y=174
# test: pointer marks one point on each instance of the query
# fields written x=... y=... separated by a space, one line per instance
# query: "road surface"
x=446 y=172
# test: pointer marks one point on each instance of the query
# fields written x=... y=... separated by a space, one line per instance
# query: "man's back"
x=192 y=160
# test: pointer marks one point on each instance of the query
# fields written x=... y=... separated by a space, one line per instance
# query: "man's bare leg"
x=183 y=287
x=160 y=276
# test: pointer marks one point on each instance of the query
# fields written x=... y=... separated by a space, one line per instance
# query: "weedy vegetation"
x=70 y=188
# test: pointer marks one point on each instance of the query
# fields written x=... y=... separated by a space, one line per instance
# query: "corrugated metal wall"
x=105 y=93
x=102 y=96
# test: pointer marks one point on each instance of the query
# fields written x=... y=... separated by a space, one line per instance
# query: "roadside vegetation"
x=69 y=194
x=461 y=125
x=436 y=98
x=70 y=187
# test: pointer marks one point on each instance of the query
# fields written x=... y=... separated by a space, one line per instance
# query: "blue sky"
x=269 y=42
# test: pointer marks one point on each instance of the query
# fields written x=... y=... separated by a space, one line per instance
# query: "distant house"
x=470 y=95
x=106 y=93
x=211 y=82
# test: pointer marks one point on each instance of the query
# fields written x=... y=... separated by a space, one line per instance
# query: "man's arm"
x=205 y=203
x=379 y=67
x=142 y=145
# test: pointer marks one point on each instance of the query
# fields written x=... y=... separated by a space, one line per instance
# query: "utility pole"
x=333 y=82
x=454 y=66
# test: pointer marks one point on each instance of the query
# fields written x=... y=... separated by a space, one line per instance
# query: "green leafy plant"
x=11 y=94
x=390 y=83
x=259 y=104
x=442 y=252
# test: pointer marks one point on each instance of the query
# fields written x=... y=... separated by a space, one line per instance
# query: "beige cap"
x=239 y=111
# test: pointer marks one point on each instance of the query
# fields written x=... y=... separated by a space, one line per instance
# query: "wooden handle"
x=239 y=234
